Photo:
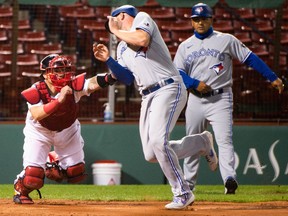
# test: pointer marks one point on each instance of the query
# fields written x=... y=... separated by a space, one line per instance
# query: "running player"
x=207 y=56
x=143 y=57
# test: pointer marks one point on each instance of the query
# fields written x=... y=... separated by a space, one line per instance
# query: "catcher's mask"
x=60 y=71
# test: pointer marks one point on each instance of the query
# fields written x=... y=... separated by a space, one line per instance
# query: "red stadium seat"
x=183 y=13
x=3 y=36
x=22 y=24
x=163 y=13
x=101 y=12
x=260 y=50
x=223 y=26
x=44 y=49
x=264 y=25
x=166 y=36
x=6 y=12
x=6 y=49
x=221 y=13
x=265 y=13
x=256 y=37
x=240 y=26
x=245 y=13
x=177 y=26
x=179 y=36
x=244 y=37
x=31 y=36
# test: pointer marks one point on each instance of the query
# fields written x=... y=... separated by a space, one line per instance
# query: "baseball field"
x=130 y=200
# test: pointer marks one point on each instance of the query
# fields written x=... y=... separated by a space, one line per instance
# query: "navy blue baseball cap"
x=129 y=9
x=201 y=10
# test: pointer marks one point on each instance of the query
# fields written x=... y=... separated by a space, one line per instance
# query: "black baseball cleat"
x=230 y=185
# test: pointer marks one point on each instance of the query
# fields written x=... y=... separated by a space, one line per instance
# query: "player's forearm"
x=259 y=65
x=122 y=74
x=40 y=112
x=189 y=81
x=93 y=85
x=136 y=38
x=100 y=81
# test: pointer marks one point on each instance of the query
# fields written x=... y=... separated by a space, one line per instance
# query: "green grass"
x=245 y=193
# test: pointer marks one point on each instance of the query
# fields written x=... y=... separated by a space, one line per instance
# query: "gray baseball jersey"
x=158 y=67
x=161 y=108
x=210 y=60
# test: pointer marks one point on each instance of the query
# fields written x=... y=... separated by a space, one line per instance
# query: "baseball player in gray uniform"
x=143 y=57
x=51 y=121
x=207 y=58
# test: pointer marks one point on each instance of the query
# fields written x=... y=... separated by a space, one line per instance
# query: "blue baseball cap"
x=129 y=9
x=201 y=10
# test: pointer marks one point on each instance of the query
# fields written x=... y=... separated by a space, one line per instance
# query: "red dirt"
x=91 y=208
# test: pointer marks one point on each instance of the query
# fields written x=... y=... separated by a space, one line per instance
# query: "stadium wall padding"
x=261 y=153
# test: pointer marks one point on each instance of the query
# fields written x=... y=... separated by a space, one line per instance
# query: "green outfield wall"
x=261 y=153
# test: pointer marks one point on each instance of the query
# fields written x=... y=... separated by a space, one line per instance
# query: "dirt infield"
x=89 y=208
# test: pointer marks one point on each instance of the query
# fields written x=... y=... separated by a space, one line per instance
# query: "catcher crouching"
x=51 y=121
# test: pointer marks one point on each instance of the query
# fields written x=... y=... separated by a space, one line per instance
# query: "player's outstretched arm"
x=122 y=74
x=100 y=81
x=259 y=65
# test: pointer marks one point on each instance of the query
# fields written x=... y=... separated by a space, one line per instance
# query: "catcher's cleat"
x=181 y=202
x=21 y=199
x=230 y=185
x=211 y=156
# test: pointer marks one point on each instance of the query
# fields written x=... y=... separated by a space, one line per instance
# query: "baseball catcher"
x=51 y=122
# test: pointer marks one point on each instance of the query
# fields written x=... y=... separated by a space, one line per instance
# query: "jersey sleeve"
x=122 y=46
x=238 y=50
x=143 y=21
x=179 y=61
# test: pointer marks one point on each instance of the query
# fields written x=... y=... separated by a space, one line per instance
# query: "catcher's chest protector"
x=64 y=116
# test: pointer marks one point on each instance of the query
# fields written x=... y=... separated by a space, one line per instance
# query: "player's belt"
x=157 y=86
x=207 y=94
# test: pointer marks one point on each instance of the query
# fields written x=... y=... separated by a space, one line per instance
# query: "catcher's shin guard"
x=33 y=179
x=76 y=173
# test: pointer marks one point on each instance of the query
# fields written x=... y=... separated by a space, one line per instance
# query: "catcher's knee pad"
x=33 y=179
x=76 y=173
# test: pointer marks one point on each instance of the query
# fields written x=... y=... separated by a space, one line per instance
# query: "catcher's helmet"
x=60 y=71
x=129 y=9
x=46 y=60
x=201 y=10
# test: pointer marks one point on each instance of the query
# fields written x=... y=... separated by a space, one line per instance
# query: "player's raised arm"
x=120 y=73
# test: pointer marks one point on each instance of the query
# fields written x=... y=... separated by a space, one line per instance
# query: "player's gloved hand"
x=278 y=84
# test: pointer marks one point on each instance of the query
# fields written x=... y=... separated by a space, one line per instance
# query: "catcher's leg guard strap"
x=76 y=173
x=54 y=172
